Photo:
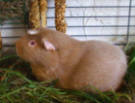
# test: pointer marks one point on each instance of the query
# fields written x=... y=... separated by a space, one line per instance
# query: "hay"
x=17 y=85
x=12 y=9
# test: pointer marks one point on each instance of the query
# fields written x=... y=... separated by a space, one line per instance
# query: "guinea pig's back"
x=103 y=65
x=106 y=50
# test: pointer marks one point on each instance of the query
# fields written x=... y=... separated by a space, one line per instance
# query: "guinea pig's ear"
x=48 y=45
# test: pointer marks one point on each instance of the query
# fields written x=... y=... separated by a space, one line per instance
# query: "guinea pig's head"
x=36 y=49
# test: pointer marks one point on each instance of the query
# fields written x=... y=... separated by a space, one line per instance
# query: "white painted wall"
x=89 y=22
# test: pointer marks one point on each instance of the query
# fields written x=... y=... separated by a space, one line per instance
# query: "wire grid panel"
x=112 y=21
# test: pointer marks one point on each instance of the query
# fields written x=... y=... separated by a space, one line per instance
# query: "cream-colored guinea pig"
x=75 y=64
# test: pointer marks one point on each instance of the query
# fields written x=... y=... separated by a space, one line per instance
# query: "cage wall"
x=108 y=20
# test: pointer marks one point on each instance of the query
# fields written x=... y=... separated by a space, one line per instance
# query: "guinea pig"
x=77 y=65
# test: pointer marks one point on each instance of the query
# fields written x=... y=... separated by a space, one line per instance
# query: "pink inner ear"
x=32 y=43
x=48 y=45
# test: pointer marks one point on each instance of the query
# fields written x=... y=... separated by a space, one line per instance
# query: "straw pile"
x=11 y=9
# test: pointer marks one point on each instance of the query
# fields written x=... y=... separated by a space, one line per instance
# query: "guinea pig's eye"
x=32 y=43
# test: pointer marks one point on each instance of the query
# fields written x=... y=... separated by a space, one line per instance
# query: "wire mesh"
x=21 y=21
